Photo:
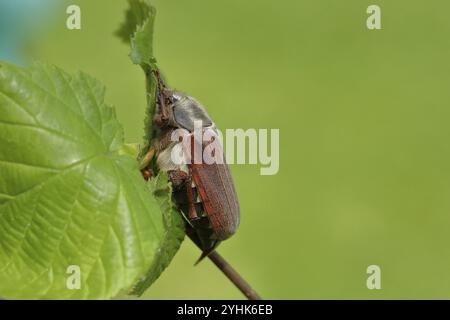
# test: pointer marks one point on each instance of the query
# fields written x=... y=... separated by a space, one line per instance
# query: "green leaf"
x=174 y=235
x=138 y=30
x=131 y=149
x=69 y=195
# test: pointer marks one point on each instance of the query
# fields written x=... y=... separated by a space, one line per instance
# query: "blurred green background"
x=364 y=122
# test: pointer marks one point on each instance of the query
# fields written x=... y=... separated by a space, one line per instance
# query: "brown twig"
x=234 y=276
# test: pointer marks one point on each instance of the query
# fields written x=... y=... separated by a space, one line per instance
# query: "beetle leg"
x=191 y=201
x=164 y=111
x=162 y=118
x=147 y=174
x=179 y=178
x=147 y=158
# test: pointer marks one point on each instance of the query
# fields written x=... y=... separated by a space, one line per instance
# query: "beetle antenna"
x=161 y=83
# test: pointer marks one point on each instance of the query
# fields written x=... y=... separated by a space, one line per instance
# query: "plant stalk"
x=234 y=276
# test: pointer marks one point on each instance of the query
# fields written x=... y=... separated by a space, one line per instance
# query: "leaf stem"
x=234 y=276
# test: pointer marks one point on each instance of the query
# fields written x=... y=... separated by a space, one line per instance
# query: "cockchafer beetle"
x=204 y=193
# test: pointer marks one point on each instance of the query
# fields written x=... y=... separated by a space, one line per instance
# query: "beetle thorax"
x=186 y=111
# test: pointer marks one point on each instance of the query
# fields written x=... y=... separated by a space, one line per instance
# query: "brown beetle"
x=205 y=193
